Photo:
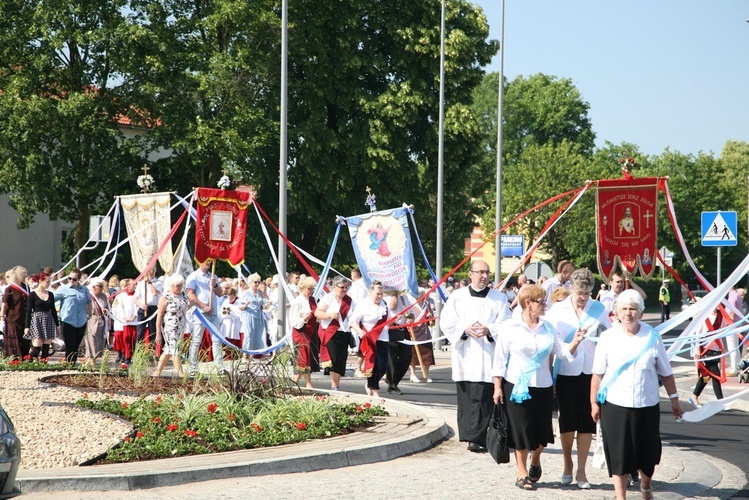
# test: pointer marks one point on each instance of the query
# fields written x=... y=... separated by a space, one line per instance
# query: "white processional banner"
x=148 y=224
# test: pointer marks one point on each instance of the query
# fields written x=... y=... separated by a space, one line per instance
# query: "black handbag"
x=497 y=436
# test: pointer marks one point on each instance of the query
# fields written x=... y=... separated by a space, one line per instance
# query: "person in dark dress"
x=15 y=299
x=42 y=322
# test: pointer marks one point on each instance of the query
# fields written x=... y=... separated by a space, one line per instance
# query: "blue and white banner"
x=382 y=245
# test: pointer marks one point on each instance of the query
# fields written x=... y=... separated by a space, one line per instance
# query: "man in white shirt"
x=147 y=294
x=203 y=291
x=617 y=282
x=470 y=320
x=564 y=271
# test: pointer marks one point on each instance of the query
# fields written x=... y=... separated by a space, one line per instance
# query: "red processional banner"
x=221 y=225
x=626 y=225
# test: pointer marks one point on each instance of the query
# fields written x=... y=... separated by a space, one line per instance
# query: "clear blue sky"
x=656 y=73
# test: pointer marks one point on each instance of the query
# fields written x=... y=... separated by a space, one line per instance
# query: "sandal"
x=524 y=483
x=534 y=473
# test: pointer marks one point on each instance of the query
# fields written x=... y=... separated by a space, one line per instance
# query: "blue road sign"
x=719 y=229
x=513 y=245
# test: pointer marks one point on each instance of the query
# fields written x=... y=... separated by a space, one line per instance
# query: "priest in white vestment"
x=470 y=320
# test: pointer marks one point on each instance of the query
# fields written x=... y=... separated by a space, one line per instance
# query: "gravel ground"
x=53 y=432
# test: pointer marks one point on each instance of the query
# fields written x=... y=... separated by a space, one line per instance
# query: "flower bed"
x=14 y=364
x=185 y=424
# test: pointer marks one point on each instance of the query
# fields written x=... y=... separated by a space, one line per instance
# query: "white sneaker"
x=415 y=380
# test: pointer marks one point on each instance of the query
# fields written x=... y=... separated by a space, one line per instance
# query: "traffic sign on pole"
x=719 y=229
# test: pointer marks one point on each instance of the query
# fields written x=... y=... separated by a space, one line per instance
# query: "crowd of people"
x=526 y=349
x=172 y=313
x=596 y=357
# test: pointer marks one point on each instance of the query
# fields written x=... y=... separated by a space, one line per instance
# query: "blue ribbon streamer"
x=424 y=256
x=326 y=268
x=520 y=392
x=595 y=310
x=212 y=330
x=603 y=390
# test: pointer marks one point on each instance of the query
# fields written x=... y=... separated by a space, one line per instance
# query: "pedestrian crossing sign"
x=719 y=229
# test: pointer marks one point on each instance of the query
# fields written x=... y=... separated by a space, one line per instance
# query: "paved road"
x=449 y=471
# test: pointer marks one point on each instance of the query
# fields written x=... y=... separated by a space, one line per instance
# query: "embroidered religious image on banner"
x=147 y=219
x=626 y=225
x=221 y=225
x=382 y=245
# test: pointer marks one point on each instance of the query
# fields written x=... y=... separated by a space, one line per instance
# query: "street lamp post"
x=498 y=201
x=440 y=162
x=282 y=167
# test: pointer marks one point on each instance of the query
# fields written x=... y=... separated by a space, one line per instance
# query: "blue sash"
x=652 y=338
x=520 y=391
x=588 y=318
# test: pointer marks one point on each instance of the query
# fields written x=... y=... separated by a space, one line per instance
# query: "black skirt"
x=631 y=438
x=530 y=421
x=573 y=394
x=338 y=351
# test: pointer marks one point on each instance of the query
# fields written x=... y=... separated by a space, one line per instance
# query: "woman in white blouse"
x=522 y=381
x=624 y=394
x=367 y=319
x=577 y=312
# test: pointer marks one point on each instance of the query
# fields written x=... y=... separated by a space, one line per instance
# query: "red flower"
x=14 y=362
x=85 y=395
x=230 y=417
x=138 y=434
x=156 y=420
x=44 y=360
x=124 y=406
x=127 y=439
x=27 y=357
x=190 y=433
x=111 y=394
x=171 y=427
x=301 y=426
x=367 y=405
x=359 y=409
x=255 y=427
x=212 y=408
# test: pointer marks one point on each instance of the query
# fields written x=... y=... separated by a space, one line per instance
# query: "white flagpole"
x=498 y=201
x=282 y=164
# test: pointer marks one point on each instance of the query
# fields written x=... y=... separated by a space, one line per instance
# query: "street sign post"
x=719 y=229
x=513 y=245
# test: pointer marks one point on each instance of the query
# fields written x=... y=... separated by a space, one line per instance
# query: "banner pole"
x=213 y=284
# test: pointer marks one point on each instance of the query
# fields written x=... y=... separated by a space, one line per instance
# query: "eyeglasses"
x=73 y=279
x=484 y=272
x=539 y=301
x=342 y=286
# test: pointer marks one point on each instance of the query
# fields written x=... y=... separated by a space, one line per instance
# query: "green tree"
x=364 y=88
x=547 y=146
x=693 y=183
x=60 y=149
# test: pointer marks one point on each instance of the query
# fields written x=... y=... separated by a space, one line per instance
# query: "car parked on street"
x=10 y=457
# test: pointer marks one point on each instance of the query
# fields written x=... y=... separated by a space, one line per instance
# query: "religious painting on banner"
x=382 y=245
x=626 y=225
x=148 y=224
x=221 y=225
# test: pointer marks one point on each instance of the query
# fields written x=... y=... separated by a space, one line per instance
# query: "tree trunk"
x=81 y=231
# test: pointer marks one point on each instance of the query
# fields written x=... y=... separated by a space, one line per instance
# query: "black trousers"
x=380 y=366
x=714 y=368
x=475 y=406
x=151 y=324
x=73 y=336
x=665 y=312
x=399 y=357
